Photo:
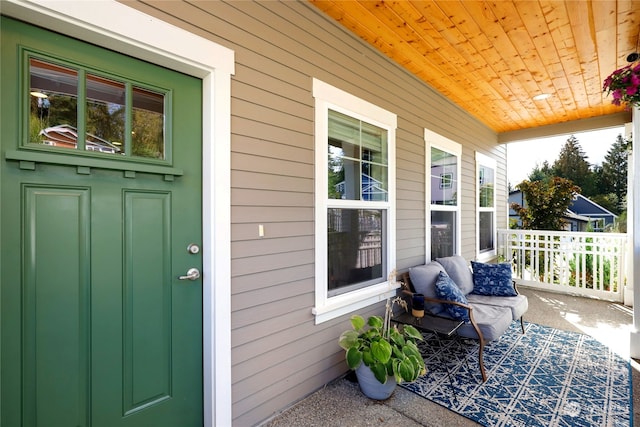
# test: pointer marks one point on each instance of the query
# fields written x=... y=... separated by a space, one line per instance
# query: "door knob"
x=192 y=274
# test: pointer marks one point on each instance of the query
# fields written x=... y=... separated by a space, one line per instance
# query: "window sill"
x=487 y=256
x=348 y=303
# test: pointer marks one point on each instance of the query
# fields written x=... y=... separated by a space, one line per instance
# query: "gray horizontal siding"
x=278 y=353
x=245 y=231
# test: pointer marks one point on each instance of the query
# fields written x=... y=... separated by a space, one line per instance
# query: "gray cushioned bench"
x=486 y=316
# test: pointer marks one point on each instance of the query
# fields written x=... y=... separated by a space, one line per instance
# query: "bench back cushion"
x=457 y=268
x=423 y=278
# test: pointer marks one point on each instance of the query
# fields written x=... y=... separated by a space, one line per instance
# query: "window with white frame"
x=486 y=207
x=354 y=200
x=443 y=224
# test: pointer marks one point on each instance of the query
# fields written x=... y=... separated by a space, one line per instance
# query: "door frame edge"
x=119 y=27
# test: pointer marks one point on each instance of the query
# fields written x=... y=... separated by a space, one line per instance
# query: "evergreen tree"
x=613 y=178
x=572 y=164
x=541 y=173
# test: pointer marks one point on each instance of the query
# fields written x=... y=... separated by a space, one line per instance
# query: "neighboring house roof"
x=575 y=216
x=371 y=187
x=67 y=136
x=586 y=206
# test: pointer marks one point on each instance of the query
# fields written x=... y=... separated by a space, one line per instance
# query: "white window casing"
x=484 y=162
x=327 y=98
x=435 y=140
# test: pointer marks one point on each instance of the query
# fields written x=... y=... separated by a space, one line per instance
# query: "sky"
x=525 y=155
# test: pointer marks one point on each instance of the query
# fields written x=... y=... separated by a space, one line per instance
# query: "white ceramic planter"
x=371 y=387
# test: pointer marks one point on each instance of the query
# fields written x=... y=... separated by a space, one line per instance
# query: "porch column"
x=628 y=259
x=633 y=230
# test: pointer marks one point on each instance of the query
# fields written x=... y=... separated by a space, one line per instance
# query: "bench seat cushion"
x=493 y=321
x=518 y=304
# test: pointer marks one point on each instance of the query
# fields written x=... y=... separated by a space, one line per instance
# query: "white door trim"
x=115 y=26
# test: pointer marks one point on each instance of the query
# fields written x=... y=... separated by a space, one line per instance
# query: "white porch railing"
x=587 y=264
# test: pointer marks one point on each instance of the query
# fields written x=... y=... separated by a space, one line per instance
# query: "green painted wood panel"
x=147 y=321
x=56 y=305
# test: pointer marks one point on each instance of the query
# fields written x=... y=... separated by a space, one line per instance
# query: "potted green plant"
x=382 y=355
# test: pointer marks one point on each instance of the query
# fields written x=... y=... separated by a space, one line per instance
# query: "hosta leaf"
x=406 y=370
x=418 y=363
x=348 y=339
x=376 y=321
x=354 y=357
x=411 y=350
x=397 y=351
x=367 y=357
x=412 y=332
x=390 y=366
x=381 y=351
x=396 y=337
x=357 y=322
x=380 y=372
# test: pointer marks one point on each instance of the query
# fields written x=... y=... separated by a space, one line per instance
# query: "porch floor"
x=340 y=403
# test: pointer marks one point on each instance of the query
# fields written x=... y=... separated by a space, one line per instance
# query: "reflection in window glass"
x=111 y=106
x=444 y=177
x=147 y=130
x=53 y=101
x=486 y=186
x=105 y=115
x=486 y=176
x=486 y=231
x=443 y=232
x=355 y=248
x=444 y=184
x=357 y=163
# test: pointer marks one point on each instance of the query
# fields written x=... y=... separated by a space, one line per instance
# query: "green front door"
x=100 y=192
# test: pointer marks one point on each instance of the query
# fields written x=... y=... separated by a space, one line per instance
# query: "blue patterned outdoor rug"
x=546 y=377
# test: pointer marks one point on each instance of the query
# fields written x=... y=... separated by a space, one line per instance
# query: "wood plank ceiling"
x=492 y=57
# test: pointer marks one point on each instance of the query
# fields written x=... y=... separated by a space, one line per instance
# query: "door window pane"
x=106 y=110
x=355 y=248
x=119 y=118
x=147 y=135
x=443 y=232
x=53 y=104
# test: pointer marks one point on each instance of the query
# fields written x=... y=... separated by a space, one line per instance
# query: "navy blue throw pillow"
x=492 y=279
x=447 y=290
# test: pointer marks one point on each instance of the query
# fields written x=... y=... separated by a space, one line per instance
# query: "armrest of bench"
x=407 y=290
